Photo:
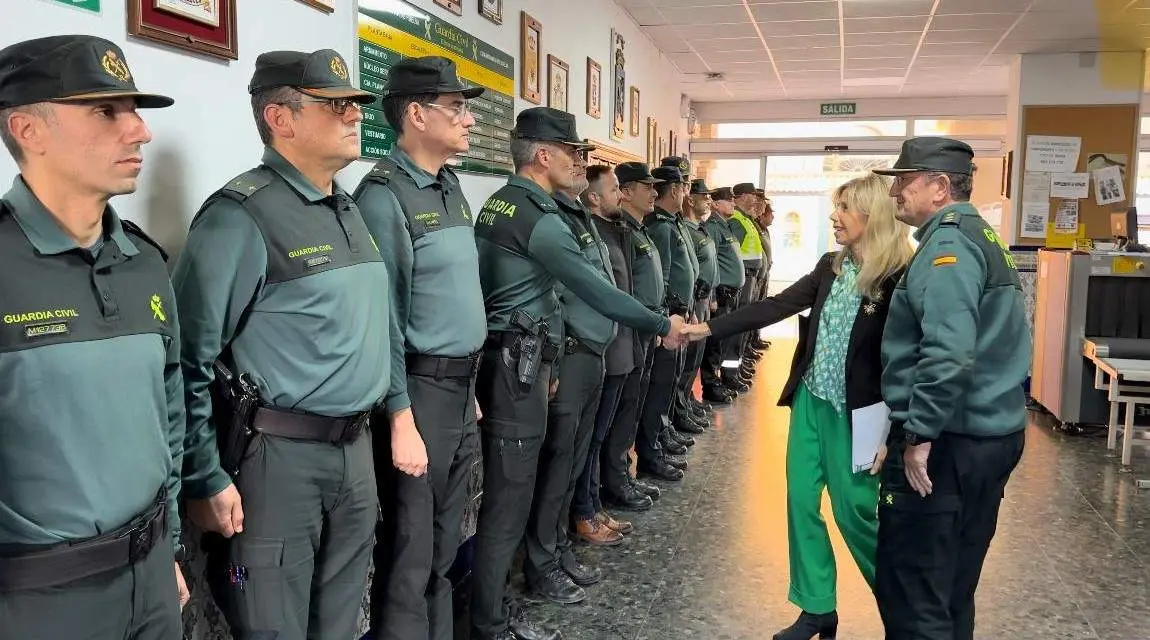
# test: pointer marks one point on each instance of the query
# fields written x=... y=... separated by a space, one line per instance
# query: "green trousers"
x=819 y=457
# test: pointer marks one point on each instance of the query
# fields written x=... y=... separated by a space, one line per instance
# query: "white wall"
x=209 y=136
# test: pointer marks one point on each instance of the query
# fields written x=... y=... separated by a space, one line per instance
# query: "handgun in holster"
x=702 y=290
x=234 y=403
x=726 y=295
x=675 y=305
x=530 y=344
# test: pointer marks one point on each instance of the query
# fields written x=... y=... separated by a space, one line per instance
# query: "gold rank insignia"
x=339 y=68
x=157 y=305
x=115 y=67
x=945 y=260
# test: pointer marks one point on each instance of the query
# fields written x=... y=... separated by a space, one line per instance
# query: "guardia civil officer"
x=732 y=277
x=92 y=410
x=525 y=250
x=698 y=204
x=414 y=207
x=955 y=352
x=284 y=285
x=570 y=420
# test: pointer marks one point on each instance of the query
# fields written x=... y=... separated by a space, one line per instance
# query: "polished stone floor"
x=1071 y=559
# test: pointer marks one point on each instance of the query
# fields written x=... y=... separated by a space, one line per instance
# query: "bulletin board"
x=1105 y=129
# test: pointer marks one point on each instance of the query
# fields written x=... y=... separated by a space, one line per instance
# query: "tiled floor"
x=1071 y=558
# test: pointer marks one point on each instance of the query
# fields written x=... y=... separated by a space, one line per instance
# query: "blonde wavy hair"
x=886 y=244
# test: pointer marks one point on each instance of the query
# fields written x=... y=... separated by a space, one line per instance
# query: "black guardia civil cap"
x=931 y=153
x=68 y=68
x=699 y=188
x=320 y=74
x=428 y=74
x=722 y=193
x=635 y=172
x=548 y=125
x=679 y=162
x=668 y=174
x=743 y=188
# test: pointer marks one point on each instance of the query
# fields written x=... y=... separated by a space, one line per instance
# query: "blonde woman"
x=836 y=368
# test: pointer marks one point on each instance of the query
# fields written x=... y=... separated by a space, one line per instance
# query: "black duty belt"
x=64 y=563
x=440 y=367
x=575 y=345
x=310 y=426
x=510 y=339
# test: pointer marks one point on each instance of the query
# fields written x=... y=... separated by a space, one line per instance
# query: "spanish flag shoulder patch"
x=942 y=260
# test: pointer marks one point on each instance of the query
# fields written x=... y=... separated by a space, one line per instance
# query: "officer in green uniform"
x=731 y=280
x=414 y=208
x=92 y=409
x=698 y=204
x=746 y=230
x=283 y=284
x=955 y=353
x=525 y=251
x=638 y=188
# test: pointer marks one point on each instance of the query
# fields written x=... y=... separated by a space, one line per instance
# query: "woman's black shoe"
x=810 y=625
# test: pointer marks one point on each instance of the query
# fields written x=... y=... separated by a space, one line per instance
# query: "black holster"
x=702 y=290
x=234 y=403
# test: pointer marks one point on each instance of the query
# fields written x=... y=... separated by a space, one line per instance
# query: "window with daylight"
x=819 y=129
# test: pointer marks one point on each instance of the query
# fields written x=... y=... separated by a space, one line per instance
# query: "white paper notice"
x=869 y=429
x=1054 y=154
x=1034 y=218
x=992 y=213
x=1066 y=217
x=1036 y=187
x=1108 y=187
x=1070 y=185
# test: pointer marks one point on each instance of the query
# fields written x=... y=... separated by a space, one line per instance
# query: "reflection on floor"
x=1071 y=558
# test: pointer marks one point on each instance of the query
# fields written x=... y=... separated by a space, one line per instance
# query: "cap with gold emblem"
x=68 y=68
x=321 y=74
x=722 y=193
x=699 y=187
x=429 y=74
x=679 y=162
x=548 y=125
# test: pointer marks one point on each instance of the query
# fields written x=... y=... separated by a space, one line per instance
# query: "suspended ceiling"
x=825 y=49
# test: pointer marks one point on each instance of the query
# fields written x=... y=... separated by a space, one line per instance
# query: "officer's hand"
x=408 y=453
x=915 y=460
x=182 y=587
x=554 y=389
x=478 y=411
x=879 y=458
x=222 y=513
x=675 y=338
x=714 y=306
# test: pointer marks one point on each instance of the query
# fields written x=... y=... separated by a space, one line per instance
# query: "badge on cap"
x=115 y=67
x=339 y=68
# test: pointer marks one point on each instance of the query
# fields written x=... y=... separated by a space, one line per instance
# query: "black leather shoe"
x=580 y=573
x=557 y=586
x=632 y=499
x=747 y=372
x=736 y=385
x=704 y=406
x=650 y=490
x=682 y=438
x=824 y=625
x=717 y=395
x=689 y=426
x=679 y=462
x=660 y=470
x=671 y=446
x=523 y=629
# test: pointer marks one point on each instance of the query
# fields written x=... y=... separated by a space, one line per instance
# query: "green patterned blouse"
x=827 y=376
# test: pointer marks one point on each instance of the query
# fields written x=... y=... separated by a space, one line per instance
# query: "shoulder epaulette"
x=131 y=228
x=950 y=219
x=381 y=172
x=243 y=186
x=544 y=202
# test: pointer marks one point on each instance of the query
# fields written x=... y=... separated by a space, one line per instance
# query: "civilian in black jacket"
x=836 y=369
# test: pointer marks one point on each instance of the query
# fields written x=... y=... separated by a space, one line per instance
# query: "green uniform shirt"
x=648 y=285
x=431 y=259
x=92 y=400
x=704 y=250
x=956 y=348
x=525 y=248
x=678 y=272
x=582 y=321
x=730 y=265
x=295 y=295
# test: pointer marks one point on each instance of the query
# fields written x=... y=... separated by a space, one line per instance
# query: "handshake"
x=683 y=333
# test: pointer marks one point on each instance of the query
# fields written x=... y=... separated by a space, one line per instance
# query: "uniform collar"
x=631 y=222
x=45 y=234
x=528 y=184
x=960 y=208
x=568 y=204
x=422 y=178
x=287 y=171
x=663 y=213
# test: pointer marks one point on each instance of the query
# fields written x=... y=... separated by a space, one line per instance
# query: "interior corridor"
x=1071 y=558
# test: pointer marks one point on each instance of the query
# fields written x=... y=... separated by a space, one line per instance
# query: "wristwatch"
x=181 y=553
x=912 y=439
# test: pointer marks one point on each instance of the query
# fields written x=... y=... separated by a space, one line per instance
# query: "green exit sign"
x=838 y=109
x=87 y=5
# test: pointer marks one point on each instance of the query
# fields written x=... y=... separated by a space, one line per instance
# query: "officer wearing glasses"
x=414 y=207
x=282 y=282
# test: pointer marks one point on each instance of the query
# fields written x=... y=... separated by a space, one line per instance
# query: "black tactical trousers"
x=711 y=368
x=586 y=502
x=570 y=425
x=139 y=602
x=735 y=346
x=656 y=411
x=931 y=550
x=310 y=513
x=512 y=431
x=693 y=356
x=423 y=517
